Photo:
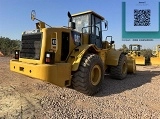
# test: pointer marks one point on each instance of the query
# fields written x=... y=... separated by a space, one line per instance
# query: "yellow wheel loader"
x=135 y=52
x=155 y=59
x=72 y=55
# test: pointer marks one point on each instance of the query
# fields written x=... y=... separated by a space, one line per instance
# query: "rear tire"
x=119 y=71
x=131 y=65
x=88 y=78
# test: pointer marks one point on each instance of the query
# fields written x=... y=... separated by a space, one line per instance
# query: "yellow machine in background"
x=155 y=60
x=135 y=52
x=71 y=55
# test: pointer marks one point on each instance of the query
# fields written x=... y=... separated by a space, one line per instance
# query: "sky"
x=15 y=16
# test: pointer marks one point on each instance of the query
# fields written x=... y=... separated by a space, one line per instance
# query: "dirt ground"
x=136 y=97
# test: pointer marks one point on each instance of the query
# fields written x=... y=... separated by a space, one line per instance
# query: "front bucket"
x=155 y=60
x=140 y=60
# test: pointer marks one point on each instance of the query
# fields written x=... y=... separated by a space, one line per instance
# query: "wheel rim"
x=124 y=68
x=95 y=75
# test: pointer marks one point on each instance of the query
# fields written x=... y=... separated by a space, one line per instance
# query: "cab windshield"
x=82 y=21
x=135 y=47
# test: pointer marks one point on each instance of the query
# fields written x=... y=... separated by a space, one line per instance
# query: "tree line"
x=8 y=46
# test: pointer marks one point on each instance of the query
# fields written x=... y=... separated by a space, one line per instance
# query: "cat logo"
x=53 y=41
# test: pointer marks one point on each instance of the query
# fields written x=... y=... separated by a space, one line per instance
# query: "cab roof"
x=88 y=12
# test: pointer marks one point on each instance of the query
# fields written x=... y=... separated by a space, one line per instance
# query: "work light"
x=16 y=54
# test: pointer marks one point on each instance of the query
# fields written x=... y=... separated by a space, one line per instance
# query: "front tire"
x=88 y=78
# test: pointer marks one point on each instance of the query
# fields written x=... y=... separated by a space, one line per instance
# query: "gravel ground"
x=136 y=97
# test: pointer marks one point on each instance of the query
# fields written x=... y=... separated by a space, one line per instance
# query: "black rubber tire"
x=82 y=81
x=120 y=71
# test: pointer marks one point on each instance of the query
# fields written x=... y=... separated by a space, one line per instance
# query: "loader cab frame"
x=90 y=23
x=134 y=47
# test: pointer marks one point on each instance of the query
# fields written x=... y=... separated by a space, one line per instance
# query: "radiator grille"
x=31 y=46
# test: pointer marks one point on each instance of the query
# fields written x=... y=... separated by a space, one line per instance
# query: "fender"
x=78 y=52
x=112 y=57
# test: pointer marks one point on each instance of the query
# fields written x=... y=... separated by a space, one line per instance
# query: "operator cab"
x=90 y=23
x=135 y=47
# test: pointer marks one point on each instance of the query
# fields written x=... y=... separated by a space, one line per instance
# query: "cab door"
x=96 y=33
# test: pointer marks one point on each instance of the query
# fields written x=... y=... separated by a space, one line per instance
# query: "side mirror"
x=106 y=24
x=70 y=17
x=70 y=23
x=33 y=15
